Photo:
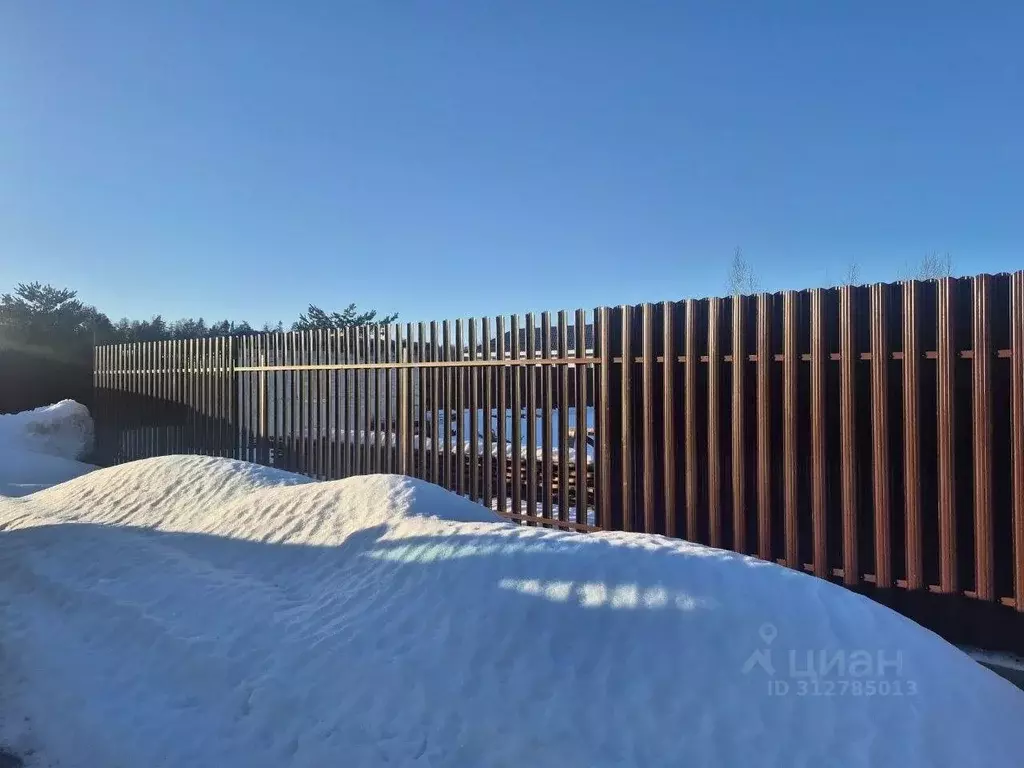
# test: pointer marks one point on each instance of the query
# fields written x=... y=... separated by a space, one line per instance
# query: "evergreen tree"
x=43 y=315
x=314 y=317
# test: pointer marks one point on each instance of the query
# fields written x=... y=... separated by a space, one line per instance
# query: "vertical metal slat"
x=602 y=403
x=763 y=371
x=984 y=572
x=738 y=412
x=531 y=417
x=819 y=521
x=458 y=355
x=650 y=462
x=547 y=419
x=563 y=419
x=790 y=415
x=626 y=446
x=517 y=418
x=946 y=447
x=848 y=353
x=582 y=409
x=366 y=449
x=692 y=469
x=427 y=394
x=473 y=475
x=487 y=404
x=911 y=437
x=880 y=434
x=714 y=435
x=502 y=394
x=442 y=429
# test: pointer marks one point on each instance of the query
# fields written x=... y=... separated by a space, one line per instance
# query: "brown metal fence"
x=872 y=436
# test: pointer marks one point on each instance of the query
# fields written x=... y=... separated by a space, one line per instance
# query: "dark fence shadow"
x=961 y=620
x=32 y=377
x=132 y=426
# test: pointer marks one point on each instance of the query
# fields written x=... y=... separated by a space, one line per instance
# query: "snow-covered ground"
x=40 y=448
x=208 y=612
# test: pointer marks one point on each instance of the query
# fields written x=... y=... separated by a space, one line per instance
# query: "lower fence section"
x=870 y=436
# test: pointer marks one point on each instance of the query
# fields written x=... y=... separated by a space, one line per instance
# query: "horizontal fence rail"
x=869 y=435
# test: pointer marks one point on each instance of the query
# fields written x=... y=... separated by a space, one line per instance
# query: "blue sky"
x=446 y=159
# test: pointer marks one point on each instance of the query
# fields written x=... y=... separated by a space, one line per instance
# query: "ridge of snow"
x=208 y=612
x=227 y=497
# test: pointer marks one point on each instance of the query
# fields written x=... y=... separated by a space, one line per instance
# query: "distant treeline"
x=43 y=315
x=47 y=335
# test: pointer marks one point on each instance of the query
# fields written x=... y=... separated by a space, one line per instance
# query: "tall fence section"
x=869 y=435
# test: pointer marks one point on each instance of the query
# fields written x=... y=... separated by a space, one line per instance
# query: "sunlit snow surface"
x=207 y=612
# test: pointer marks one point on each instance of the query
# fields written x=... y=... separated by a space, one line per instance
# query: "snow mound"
x=41 y=447
x=208 y=612
x=63 y=429
x=226 y=497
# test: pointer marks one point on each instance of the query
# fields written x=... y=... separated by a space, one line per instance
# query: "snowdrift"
x=42 y=447
x=207 y=612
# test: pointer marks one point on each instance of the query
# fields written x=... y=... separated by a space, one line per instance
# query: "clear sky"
x=443 y=159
